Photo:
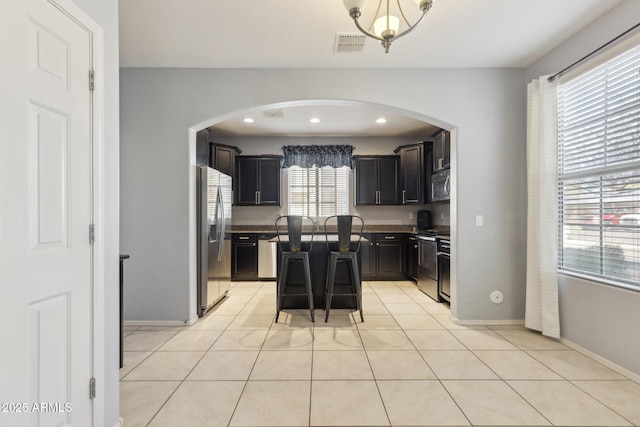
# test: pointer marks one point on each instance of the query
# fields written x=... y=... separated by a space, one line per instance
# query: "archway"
x=387 y=109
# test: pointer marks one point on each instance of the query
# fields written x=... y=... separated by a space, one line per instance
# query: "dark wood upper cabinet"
x=376 y=180
x=412 y=173
x=215 y=155
x=441 y=151
x=223 y=157
x=257 y=180
x=202 y=147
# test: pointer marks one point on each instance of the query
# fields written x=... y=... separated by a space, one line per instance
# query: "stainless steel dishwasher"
x=267 y=257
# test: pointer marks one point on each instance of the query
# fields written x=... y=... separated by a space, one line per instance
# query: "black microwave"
x=441 y=186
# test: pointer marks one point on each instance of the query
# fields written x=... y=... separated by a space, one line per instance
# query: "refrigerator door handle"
x=210 y=239
x=220 y=205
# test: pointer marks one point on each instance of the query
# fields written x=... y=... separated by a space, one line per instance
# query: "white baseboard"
x=486 y=322
x=606 y=362
x=159 y=322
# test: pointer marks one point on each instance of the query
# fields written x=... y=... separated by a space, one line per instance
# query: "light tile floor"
x=406 y=365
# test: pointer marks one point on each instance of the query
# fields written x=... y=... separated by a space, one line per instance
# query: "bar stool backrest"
x=293 y=227
x=346 y=226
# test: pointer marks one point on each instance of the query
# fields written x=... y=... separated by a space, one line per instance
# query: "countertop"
x=440 y=231
x=318 y=238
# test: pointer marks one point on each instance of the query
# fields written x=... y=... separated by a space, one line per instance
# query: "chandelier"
x=385 y=25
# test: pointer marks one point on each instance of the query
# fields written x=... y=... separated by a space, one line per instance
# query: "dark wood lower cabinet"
x=244 y=257
x=412 y=257
x=383 y=258
x=367 y=257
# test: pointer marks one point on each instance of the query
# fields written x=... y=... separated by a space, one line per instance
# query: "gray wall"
x=599 y=318
x=486 y=107
x=105 y=13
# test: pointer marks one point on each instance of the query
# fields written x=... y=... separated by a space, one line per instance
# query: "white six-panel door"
x=45 y=217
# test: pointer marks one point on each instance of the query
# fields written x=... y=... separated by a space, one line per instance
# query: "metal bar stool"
x=292 y=227
x=347 y=225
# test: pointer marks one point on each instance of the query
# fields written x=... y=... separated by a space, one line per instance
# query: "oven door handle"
x=444 y=254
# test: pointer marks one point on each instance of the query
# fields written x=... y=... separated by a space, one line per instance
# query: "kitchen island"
x=318 y=258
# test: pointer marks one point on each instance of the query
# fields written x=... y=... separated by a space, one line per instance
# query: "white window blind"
x=599 y=172
x=318 y=192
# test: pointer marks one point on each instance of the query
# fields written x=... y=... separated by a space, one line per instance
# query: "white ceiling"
x=301 y=34
x=337 y=118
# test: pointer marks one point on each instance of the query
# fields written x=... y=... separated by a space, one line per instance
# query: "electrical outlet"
x=410 y=215
x=479 y=221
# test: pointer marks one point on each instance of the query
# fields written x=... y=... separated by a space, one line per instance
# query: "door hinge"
x=92 y=388
x=92 y=80
x=92 y=233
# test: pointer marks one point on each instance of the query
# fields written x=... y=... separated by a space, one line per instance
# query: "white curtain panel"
x=542 y=220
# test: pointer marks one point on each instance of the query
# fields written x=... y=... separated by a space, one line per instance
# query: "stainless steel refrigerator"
x=214 y=197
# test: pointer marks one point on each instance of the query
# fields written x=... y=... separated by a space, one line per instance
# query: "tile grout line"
x=437 y=376
x=373 y=373
x=191 y=370
x=246 y=382
x=519 y=348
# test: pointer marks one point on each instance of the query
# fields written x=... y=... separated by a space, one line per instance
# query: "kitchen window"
x=318 y=192
x=599 y=172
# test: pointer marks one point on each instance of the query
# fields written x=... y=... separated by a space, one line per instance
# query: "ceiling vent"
x=349 y=43
x=271 y=114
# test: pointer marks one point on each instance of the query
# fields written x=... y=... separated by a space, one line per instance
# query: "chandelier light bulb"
x=421 y=3
x=351 y=4
x=386 y=26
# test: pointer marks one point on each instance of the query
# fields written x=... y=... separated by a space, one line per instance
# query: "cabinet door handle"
x=256 y=197
x=243 y=238
x=389 y=237
x=259 y=197
x=404 y=196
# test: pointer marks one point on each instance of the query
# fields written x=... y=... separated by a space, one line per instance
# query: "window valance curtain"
x=306 y=156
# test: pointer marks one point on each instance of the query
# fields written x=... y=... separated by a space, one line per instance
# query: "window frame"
x=579 y=163
x=304 y=207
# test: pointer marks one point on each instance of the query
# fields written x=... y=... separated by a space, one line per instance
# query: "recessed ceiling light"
x=315 y=120
x=381 y=120
x=247 y=120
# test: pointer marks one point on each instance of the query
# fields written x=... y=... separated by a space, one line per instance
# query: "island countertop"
x=317 y=238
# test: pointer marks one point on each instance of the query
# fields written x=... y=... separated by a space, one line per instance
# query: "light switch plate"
x=479 y=221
